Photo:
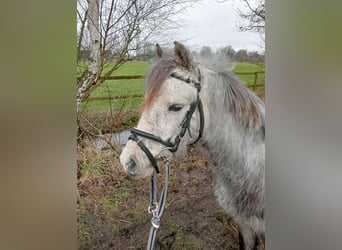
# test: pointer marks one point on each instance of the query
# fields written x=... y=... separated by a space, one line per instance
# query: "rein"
x=156 y=208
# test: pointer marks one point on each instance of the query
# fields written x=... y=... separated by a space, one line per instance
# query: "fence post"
x=255 y=80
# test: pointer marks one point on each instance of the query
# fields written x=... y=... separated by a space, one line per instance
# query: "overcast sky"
x=210 y=23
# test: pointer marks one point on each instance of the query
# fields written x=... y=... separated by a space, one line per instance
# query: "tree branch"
x=83 y=21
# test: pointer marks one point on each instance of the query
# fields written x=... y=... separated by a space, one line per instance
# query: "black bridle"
x=185 y=125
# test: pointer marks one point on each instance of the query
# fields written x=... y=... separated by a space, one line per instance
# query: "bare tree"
x=226 y=53
x=253 y=19
x=206 y=52
x=91 y=75
x=255 y=57
x=121 y=27
x=241 y=55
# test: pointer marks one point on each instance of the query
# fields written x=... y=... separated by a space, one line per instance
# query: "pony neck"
x=224 y=134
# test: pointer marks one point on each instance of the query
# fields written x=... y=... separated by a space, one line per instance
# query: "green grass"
x=116 y=88
x=247 y=67
x=92 y=168
x=132 y=68
x=133 y=87
x=129 y=68
x=119 y=88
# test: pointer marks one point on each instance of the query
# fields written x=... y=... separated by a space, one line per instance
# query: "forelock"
x=155 y=78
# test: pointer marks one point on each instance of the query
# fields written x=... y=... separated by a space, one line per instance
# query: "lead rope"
x=157 y=208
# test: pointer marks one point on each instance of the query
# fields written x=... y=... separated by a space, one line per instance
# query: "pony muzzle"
x=134 y=161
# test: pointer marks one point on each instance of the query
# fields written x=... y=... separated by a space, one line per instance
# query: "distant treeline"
x=230 y=54
x=146 y=53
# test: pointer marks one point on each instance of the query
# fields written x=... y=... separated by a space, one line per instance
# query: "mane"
x=240 y=101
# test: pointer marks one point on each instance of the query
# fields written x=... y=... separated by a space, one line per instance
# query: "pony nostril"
x=132 y=167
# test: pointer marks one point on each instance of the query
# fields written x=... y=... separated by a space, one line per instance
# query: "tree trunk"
x=91 y=76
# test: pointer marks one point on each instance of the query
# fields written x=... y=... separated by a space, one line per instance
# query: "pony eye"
x=175 y=107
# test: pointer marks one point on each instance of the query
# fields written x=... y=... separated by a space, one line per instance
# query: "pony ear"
x=183 y=55
x=159 y=51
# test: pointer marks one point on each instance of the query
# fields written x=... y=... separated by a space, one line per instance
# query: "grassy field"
x=136 y=87
x=248 y=67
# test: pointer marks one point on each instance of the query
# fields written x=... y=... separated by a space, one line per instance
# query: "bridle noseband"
x=185 y=125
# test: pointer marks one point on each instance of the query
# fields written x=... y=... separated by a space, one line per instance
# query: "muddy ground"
x=112 y=209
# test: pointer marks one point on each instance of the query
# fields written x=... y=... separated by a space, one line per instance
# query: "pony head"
x=168 y=112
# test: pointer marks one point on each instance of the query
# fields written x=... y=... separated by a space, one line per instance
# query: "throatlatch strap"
x=200 y=110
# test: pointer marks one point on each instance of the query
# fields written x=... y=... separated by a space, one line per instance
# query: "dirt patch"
x=112 y=209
